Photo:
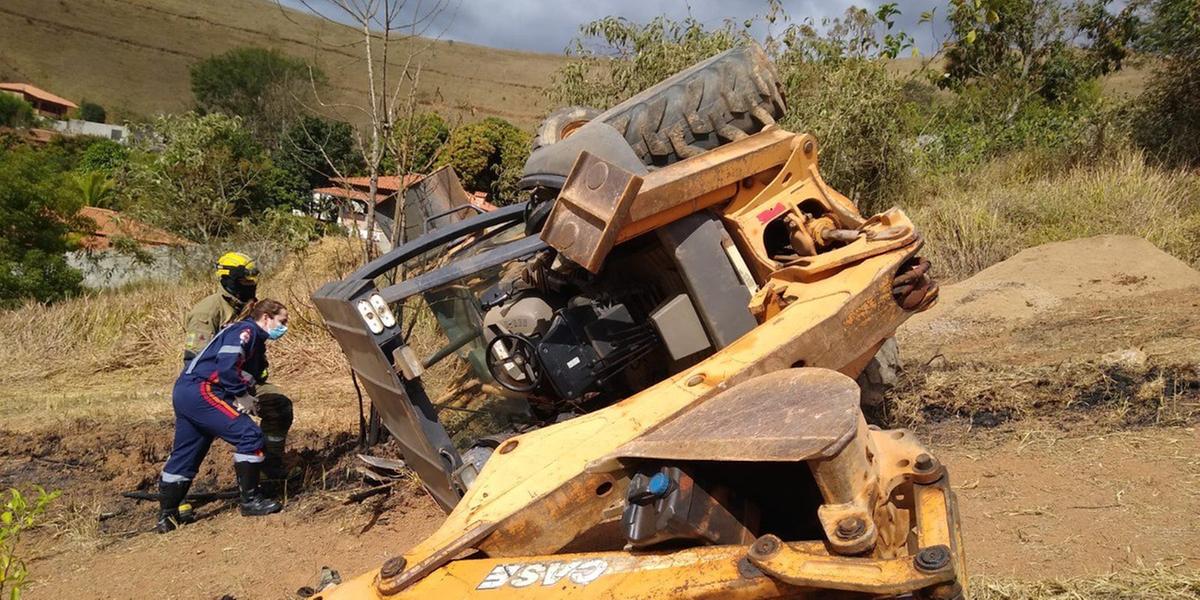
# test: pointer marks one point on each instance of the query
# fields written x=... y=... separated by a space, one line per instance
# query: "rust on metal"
x=391 y=585
x=765 y=547
x=592 y=207
x=851 y=527
x=687 y=186
x=864 y=575
x=912 y=287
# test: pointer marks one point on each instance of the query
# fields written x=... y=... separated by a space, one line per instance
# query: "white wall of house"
x=116 y=133
x=353 y=218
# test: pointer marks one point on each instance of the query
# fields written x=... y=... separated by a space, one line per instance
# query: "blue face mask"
x=277 y=331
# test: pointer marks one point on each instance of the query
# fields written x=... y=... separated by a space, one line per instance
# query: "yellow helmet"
x=238 y=275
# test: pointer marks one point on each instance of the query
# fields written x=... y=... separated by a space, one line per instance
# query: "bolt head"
x=765 y=546
x=924 y=462
x=851 y=528
x=933 y=558
x=393 y=567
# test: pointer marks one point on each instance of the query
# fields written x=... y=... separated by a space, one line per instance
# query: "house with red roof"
x=46 y=104
x=111 y=225
x=346 y=200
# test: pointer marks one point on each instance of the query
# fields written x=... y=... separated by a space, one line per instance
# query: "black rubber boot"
x=272 y=465
x=170 y=496
x=253 y=504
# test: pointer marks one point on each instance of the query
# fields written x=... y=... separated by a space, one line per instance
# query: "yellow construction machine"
x=670 y=328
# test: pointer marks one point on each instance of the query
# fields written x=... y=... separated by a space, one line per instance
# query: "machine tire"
x=880 y=374
x=724 y=98
x=561 y=123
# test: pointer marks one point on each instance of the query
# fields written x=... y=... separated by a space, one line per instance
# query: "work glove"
x=250 y=381
x=246 y=404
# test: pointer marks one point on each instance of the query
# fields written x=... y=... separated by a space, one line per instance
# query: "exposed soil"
x=1034 y=505
x=97 y=543
x=1042 y=505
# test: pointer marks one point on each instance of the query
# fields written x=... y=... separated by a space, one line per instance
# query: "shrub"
x=35 y=209
x=14 y=111
x=17 y=515
x=201 y=175
x=90 y=111
x=488 y=156
x=417 y=142
x=104 y=156
x=618 y=58
x=855 y=109
x=835 y=84
x=1167 y=117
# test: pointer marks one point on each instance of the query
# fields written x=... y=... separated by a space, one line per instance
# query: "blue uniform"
x=203 y=399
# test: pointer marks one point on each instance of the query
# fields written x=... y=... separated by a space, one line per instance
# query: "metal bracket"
x=590 y=211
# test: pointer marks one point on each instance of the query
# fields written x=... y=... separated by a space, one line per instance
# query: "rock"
x=1128 y=359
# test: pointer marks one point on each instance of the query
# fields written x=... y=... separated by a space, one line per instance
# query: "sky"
x=549 y=25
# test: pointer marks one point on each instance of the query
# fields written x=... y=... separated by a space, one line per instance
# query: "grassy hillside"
x=132 y=56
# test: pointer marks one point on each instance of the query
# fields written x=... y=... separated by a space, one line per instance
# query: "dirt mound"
x=1100 y=329
x=1054 y=277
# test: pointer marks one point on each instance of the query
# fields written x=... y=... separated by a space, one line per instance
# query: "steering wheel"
x=512 y=361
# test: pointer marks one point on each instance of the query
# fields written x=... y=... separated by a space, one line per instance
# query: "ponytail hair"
x=264 y=307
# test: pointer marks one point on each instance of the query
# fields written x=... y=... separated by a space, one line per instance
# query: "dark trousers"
x=200 y=416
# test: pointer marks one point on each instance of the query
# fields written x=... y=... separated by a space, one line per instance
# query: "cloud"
x=545 y=26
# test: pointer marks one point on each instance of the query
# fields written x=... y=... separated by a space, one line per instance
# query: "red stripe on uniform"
x=217 y=403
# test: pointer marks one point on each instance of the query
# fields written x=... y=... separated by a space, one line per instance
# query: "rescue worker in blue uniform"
x=212 y=398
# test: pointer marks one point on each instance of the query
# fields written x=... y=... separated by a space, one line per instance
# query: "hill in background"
x=132 y=56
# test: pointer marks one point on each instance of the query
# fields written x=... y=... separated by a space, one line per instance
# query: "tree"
x=391 y=86
x=198 y=175
x=15 y=111
x=1021 y=49
x=36 y=212
x=1111 y=35
x=1167 y=120
x=488 y=156
x=319 y=149
x=263 y=87
x=90 y=111
x=618 y=58
x=418 y=140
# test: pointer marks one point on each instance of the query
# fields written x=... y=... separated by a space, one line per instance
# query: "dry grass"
x=1015 y=204
x=132 y=56
x=1155 y=583
x=77 y=523
x=988 y=394
x=114 y=354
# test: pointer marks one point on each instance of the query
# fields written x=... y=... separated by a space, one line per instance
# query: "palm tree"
x=95 y=189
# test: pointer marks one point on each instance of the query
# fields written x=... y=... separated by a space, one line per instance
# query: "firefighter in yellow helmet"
x=237 y=277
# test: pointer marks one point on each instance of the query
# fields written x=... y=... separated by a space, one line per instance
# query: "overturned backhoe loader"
x=669 y=330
